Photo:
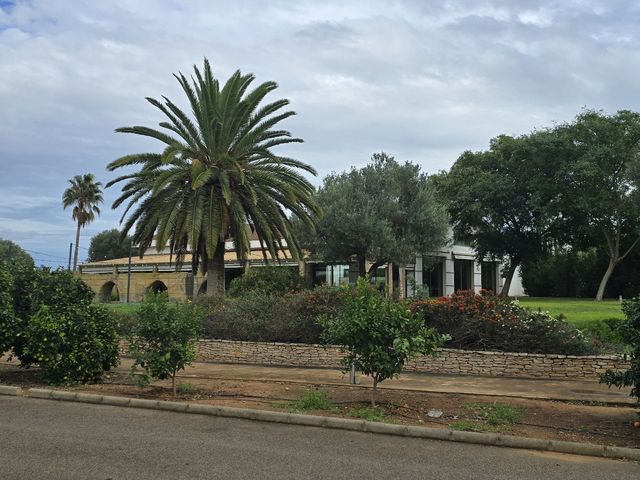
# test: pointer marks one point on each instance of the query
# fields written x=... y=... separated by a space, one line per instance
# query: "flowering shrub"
x=489 y=322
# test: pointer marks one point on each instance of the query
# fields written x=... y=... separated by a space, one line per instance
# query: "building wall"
x=178 y=284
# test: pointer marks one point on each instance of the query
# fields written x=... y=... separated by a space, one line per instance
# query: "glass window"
x=462 y=274
x=433 y=277
x=489 y=276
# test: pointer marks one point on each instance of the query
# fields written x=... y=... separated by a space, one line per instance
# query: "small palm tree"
x=217 y=177
x=84 y=195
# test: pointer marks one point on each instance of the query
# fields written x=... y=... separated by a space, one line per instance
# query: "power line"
x=46 y=254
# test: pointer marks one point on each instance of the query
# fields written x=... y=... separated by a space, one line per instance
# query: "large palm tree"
x=217 y=177
x=84 y=194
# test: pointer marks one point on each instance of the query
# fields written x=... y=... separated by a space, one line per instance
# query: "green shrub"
x=269 y=280
x=163 y=337
x=267 y=318
x=490 y=322
x=313 y=400
x=379 y=335
x=368 y=414
x=59 y=290
x=630 y=332
x=7 y=313
x=75 y=344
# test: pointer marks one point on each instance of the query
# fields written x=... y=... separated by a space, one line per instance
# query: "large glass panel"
x=462 y=274
x=489 y=276
x=433 y=277
x=319 y=274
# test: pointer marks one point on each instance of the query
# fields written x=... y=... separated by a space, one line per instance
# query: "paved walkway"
x=573 y=390
x=577 y=390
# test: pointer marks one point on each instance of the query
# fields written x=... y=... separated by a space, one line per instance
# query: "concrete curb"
x=492 y=439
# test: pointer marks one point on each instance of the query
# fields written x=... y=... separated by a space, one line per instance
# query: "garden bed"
x=579 y=422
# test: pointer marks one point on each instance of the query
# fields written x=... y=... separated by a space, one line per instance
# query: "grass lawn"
x=122 y=307
x=579 y=311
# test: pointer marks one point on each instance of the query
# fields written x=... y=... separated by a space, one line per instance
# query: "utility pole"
x=70 y=249
x=129 y=269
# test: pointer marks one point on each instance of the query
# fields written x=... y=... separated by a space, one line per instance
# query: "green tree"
x=163 y=336
x=378 y=334
x=21 y=267
x=74 y=344
x=7 y=313
x=84 y=194
x=217 y=178
x=383 y=212
x=107 y=245
x=599 y=183
x=502 y=199
x=631 y=336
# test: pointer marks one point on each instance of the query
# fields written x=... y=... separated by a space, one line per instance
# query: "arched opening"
x=109 y=293
x=157 y=287
x=203 y=288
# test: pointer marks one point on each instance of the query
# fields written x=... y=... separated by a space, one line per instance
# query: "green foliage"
x=217 y=174
x=467 y=426
x=163 y=337
x=490 y=322
x=313 y=400
x=256 y=316
x=379 y=335
x=109 y=244
x=59 y=290
x=189 y=390
x=73 y=344
x=368 y=414
x=385 y=211
x=7 y=312
x=269 y=280
x=14 y=257
x=494 y=414
x=577 y=273
x=485 y=192
x=630 y=332
x=20 y=266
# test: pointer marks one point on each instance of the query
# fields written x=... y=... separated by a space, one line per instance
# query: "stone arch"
x=158 y=286
x=109 y=292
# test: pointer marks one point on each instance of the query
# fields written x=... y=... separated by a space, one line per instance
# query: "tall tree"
x=599 y=184
x=217 y=176
x=383 y=212
x=503 y=199
x=107 y=245
x=84 y=194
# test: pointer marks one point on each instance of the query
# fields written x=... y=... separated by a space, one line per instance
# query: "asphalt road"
x=42 y=439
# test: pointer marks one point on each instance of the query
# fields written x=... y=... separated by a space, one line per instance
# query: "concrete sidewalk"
x=573 y=390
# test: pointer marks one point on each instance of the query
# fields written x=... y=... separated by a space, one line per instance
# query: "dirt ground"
x=578 y=422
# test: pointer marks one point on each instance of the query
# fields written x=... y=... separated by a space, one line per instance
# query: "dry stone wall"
x=449 y=361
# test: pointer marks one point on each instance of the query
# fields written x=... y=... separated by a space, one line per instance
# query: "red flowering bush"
x=489 y=322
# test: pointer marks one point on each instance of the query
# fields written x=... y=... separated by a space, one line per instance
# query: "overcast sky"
x=421 y=80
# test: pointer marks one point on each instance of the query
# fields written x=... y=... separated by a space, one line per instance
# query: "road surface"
x=43 y=439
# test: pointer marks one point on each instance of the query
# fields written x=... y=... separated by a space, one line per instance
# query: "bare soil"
x=577 y=422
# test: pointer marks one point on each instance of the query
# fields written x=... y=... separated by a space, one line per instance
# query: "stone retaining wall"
x=494 y=364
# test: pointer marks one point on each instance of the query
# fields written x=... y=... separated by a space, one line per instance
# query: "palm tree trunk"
x=215 y=272
x=75 y=255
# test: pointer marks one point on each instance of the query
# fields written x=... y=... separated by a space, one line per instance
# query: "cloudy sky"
x=422 y=80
